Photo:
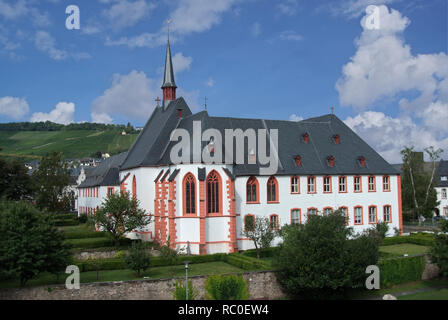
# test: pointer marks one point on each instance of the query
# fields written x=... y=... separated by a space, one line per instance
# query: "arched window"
x=189 y=194
x=134 y=188
x=272 y=190
x=213 y=193
x=252 y=190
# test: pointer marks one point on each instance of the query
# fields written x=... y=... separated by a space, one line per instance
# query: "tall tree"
x=418 y=193
x=120 y=214
x=52 y=177
x=260 y=231
x=15 y=183
x=29 y=242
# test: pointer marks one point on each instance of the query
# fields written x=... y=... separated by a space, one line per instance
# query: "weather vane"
x=205 y=103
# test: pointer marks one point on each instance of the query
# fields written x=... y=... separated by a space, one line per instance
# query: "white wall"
x=443 y=201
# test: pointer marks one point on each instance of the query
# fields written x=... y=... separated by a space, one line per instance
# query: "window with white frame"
x=342 y=184
x=372 y=214
x=358 y=215
x=443 y=193
x=386 y=214
x=295 y=216
x=386 y=183
x=311 y=184
x=327 y=184
x=274 y=222
x=372 y=183
x=295 y=184
x=357 y=184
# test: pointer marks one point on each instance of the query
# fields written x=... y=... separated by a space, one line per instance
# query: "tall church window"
x=189 y=194
x=213 y=193
x=252 y=190
x=272 y=190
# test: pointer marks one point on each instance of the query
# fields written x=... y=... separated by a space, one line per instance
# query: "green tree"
x=180 y=292
x=138 y=258
x=29 y=242
x=169 y=255
x=260 y=231
x=52 y=177
x=439 y=251
x=323 y=257
x=15 y=183
x=226 y=287
x=120 y=214
x=418 y=192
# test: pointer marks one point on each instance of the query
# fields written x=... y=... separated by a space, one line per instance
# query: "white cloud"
x=101 y=118
x=181 y=63
x=355 y=8
x=288 y=7
x=125 y=13
x=256 y=29
x=13 y=107
x=46 y=43
x=290 y=35
x=63 y=113
x=13 y=11
x=210 y=82
x=295 y=118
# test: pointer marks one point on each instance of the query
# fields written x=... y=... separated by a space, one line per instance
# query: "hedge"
x=87 y=243
x=83 y=234
x=66 y=223
x=266 y=253
x=424 y=239
x=400 y=270
x=246 y=263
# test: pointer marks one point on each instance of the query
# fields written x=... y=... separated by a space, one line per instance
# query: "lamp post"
x=186 y=279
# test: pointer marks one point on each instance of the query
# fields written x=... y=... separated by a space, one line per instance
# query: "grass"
x=73 y=144
x=218 y=267
x=404 y=248
x=81 y=231
x=436 y=294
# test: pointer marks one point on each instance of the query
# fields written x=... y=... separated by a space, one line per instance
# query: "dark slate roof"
x=173 y=175
x=153 y=147
x=152 y=140
x=106 y=173
x=442 y=171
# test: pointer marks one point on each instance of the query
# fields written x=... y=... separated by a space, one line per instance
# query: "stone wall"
x=262 y=285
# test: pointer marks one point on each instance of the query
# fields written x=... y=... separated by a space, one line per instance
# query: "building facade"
x=442 y=188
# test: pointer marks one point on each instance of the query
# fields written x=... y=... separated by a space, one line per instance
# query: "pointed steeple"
x=168 y=86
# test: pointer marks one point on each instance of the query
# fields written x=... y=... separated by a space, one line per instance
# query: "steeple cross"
x=205 y=103
x=157 y=100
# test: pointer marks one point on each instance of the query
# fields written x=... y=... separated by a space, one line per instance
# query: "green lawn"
x=436 y=294
x=218 y=267
x=404 y=248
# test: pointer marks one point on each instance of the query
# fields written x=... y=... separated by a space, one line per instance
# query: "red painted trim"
x=390 y=213
x=298 y=185
x=272 y=181
x=134 y=187
x=360 y=184
x=386 y=190
x=191 y=177
x=339 y=184
x=348 y=216
x=374 y=184
x=331 y=208
x=308 y=185
x=253 y=181
x=400 y=214
x=278 y=221
x=244 y=219
x=376 y=214
x=331 y=184
x=300 y=214
x=308 y=211
x=219 y=186
x=354 y=216
x=242 y=239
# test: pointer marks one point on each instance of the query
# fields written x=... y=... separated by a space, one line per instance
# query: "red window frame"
x=277 y=227
x=213 y=193
x=354 y=216
x=331 y=184
x=360 y=184
x=374 y=184
x=272 y=183
x=376 y=214
x=345 y=184
x=348 y=216
x=251 y=183
x=298 y=185
x=308 y=185
x=388 y=184
x=390 y=213
x=300 y=215
x=245 y=224
x=189 y=195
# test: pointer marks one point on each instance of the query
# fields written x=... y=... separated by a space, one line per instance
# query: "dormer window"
x=362 y=161
x=444 y=178
x=298 y=161
x=211 y=146
x=330 y=161
x=306 y=137
x=337 y=139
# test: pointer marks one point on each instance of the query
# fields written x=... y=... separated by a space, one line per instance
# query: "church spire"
x=168 y=86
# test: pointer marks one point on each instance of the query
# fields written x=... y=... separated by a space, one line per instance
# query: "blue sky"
x=272 y=59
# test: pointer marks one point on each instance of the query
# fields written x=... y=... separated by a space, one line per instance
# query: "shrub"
x=82 y=218
x=138 y=258
x=400 y=270
x=423 y=239
x=106 y=264
x=265 y=253
x=246 y=263
x=87 y=243
x=226 y=287
x=439 y=252
x=318 y=260
x=181 y=290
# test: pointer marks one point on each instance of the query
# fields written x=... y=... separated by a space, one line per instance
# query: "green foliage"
x=29 y=242
x=15 y=183
x=424 y=239
x=317 y=259
x=120 y=214
x=88 y=243
x=439 y=252
x=83 y=232
x=260 y=231
x=138 y=258
x=378 y=232
x=226 y=287
x=401 y=270
x=82 y=218
x=265 y=253
x=181 y=290
x=246 y=262
x=52 y=177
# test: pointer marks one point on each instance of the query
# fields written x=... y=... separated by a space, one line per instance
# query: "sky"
x=384 y=70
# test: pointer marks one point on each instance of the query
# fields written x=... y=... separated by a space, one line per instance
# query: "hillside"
x=72 y=143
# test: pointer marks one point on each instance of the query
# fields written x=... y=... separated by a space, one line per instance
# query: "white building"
x=442 y=188
x=323 y=166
